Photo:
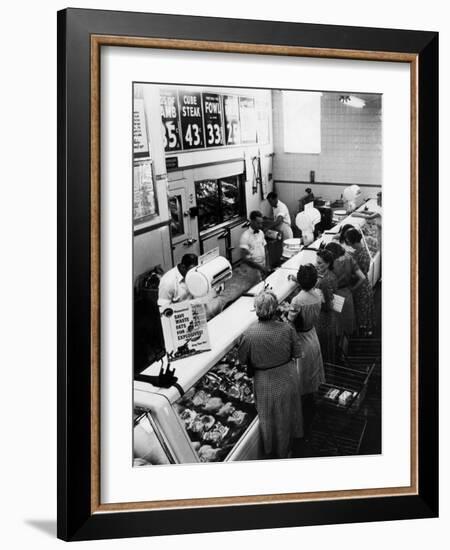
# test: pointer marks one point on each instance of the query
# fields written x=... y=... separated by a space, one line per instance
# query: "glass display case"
x=208 y=203
x=214 y=421
x=370 y=235
x=218 y=409
x=231 y=197
x=219 y=200
x=148 y=443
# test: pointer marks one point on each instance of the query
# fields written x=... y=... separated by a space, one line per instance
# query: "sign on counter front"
x=191 y=119
x=169 y=117
x=185 y=329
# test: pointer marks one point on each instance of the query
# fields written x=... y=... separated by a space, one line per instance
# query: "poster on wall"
x=247 y=115
x=140 y=141
x=144 y=200
x=191 y=119
x=212 y=109
x=185 y=329
x=232 y=128
x=169 y=117
x=263 y=124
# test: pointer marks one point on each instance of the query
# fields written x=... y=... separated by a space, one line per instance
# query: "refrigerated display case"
x=215 y=420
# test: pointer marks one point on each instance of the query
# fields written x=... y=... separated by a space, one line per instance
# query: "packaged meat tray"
x=217 y=410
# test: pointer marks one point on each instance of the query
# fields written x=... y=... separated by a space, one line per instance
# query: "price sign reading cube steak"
x=232 y=128
x=212 y=112
x=191 y=120
x=169 y=116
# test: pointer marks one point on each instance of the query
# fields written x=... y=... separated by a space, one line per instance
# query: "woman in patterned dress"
x=363 y=294
x=349 y=278
x=269 y=348
x=304 y=313
x=327 y=284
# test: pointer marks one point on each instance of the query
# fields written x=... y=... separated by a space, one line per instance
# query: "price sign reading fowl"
x=191 y=120
x=169 y=118
x=212 y=109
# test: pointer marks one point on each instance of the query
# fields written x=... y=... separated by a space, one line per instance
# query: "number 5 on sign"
x=170 y=135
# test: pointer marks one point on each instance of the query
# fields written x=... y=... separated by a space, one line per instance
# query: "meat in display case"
x=370 y=233
x=214 y=421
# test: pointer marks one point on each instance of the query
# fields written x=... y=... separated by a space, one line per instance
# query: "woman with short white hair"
x=269 y=348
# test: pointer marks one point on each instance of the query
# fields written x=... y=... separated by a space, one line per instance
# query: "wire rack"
x=339 y=426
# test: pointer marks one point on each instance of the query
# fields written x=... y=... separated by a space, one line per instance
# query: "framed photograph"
x=247 y=254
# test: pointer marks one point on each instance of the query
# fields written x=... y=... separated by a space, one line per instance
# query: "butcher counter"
x=169 y=413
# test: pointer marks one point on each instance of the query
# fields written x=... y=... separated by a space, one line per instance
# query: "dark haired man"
x=172 y=286
x=281 y=216
x=253 y=244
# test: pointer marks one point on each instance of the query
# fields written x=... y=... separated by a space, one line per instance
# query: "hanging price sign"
x=232 y=128
x=212 y=110
x=191 y=120
x=247 y=116
x=169 y=118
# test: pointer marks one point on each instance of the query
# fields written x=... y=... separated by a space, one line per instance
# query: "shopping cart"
x=362 y=354
x=339 y=424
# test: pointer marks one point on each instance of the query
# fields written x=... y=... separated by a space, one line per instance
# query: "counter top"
x=223 y=332
x=231 y=323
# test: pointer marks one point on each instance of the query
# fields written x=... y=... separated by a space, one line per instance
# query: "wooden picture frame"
x=81 y=35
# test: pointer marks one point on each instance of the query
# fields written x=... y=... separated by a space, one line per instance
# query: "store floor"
x=356 y=433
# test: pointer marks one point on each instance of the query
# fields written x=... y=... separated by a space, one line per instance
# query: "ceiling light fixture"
x=352 y=101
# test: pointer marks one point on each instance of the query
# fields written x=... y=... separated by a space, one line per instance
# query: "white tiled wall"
x=351 y=151
x=351 y=144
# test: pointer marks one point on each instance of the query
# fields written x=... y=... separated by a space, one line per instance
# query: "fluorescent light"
x=352 y=101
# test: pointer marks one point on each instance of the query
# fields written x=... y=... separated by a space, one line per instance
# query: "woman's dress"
x=304 y=312
x=270 y=347
x=326 y=326
x=345 y=269
x=363 y=295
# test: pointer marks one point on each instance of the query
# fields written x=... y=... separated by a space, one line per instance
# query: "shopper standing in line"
x=304 y=313
x=362 y=294
x=269 y=349
x=349 y=278
x=327 y=284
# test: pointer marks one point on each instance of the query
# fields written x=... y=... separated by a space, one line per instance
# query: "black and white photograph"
x=224 y=308
x=257 y=280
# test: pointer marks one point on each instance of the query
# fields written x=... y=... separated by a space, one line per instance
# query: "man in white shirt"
x=172 y=286
x=281 y=216
x=306 y=221
x=253 y=244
